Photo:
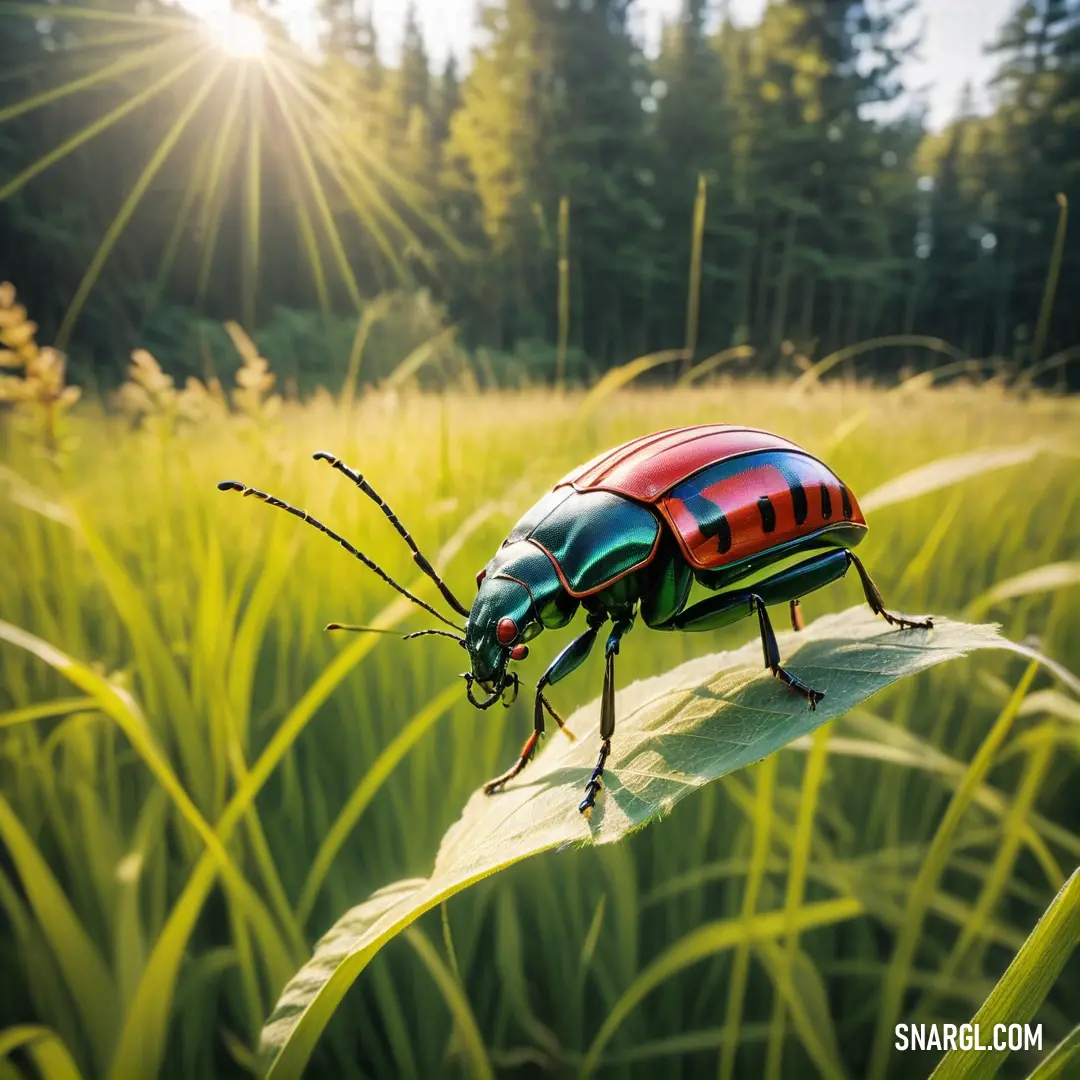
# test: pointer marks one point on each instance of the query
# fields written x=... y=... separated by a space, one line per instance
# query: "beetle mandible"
x=628 y=534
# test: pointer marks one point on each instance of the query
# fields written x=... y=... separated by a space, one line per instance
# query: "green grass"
x=197 y=780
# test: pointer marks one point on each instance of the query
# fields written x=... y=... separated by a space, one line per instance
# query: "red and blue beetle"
x=628 y=534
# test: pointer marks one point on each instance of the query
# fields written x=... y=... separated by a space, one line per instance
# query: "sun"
x=236 y=33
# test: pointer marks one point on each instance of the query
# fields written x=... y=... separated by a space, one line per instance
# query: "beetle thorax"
x=520 y=595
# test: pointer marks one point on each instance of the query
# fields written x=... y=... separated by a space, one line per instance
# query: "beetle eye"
x=506 y=631
x=480 y=577
x=519 y=652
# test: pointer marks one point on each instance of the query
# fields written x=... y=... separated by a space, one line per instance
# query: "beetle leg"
x=772 y=656
x=877 y=602
x=571 y=658
x=729 y=607
x=797 y=621
x=527 y=752
x=595 y=781
x=607 y=713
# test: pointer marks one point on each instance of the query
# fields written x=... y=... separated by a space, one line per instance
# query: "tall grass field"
x=196 y=779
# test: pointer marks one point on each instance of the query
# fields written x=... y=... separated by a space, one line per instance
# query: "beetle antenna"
x=418 y=557
x=435 y=633
x=303 y=515
x=405 y=637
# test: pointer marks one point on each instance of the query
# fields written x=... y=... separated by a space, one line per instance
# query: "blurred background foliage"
x=283 y=187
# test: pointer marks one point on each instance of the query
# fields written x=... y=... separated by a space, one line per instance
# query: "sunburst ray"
x=127 y=208
x=276 y=121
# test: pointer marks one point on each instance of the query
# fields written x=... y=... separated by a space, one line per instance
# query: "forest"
x=549 y=191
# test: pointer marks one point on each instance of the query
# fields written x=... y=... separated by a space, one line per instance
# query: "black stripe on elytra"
x=845 y=502
x=710 y=519
x=798 y=500
x=768 y=514
x=826 y=502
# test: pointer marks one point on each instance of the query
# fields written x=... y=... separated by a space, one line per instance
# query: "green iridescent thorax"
x=519 y=583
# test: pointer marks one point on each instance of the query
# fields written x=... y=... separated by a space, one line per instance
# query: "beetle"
x=628 y=534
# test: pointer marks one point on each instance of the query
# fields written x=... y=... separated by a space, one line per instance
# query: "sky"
x=953 y=39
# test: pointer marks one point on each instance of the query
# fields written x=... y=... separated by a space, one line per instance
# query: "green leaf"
x=1022 y=988
x=676 y=732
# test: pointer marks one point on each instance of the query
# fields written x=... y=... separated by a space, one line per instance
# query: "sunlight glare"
x=236 y=33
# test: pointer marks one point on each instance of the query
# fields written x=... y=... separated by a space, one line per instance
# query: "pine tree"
x=414 y=77
x=447 y=99
x=692 y=136
x=549 y=110
x=1040 y=113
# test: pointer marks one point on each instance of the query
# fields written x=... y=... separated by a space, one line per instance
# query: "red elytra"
x=506 y=631
x=646 y=467
x=646 y=470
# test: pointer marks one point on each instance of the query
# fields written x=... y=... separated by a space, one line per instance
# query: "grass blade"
x=711 y=363
x=1001 y=871
x=373 y=311
x=1053 y=1066
x=740 y=968
x=704 y=942
x=1024 y=985
x=45 y=1048
x=117 y=703
x=693 y=292
x=796 y=885
x=142 y=1043
x=83 y=967
x=799 y=986
x=564 y=291
x=930 y=872
x=1048 y=578
x=621 y=376
x=59 y=707
x=365 y=791
x=476 y=1062
x=827 y=363
x=1050 y=289
x=947 y=471
x=423 y=353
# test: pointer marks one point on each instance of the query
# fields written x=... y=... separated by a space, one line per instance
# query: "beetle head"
x=501 y=619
